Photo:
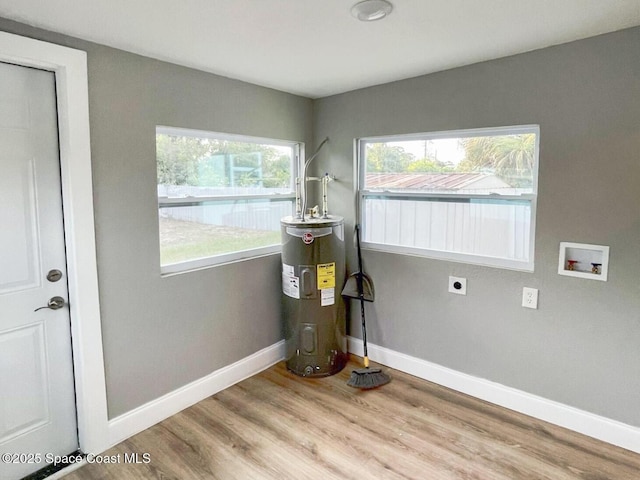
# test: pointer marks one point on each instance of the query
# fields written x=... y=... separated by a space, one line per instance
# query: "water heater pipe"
x=304 y=177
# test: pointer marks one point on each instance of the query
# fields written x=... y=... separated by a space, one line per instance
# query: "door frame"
x=70 y=69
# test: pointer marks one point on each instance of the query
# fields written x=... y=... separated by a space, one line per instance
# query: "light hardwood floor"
x=276 y=425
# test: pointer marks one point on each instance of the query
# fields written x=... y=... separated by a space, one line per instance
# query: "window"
x=220 y=196
x=467 y=195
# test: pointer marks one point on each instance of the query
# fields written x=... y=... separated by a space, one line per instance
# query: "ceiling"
x=315 y=48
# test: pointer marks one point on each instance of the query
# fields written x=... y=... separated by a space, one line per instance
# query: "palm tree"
x=481 y=154
x=517 y=156
x=511 y=157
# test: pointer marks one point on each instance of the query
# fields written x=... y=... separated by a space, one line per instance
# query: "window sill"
x=485 y=261
x=217 y=260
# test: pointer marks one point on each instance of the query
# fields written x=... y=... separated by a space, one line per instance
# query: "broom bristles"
x=366 y=378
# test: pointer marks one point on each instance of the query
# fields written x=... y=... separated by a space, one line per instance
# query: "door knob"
x=55 y=303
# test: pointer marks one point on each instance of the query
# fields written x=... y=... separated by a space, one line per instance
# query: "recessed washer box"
x=584 y=261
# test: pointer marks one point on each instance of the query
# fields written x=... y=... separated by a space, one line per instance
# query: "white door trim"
x=70 y=68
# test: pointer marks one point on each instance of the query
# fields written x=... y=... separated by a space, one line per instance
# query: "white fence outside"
x=260 y=213
x=494 y=229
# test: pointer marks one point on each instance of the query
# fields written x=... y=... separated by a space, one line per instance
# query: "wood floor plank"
x=561 y=446
x=376 y=423
x=331 y=435
x=278 y=426
x=452 y=438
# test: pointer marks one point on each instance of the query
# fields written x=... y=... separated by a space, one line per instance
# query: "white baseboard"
x=147 y=415
x=601 y=428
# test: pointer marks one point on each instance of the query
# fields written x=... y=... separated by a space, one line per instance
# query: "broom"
x=365 y=378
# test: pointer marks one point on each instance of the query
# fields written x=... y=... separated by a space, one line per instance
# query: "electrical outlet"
x=530 y=297
x=458 y=285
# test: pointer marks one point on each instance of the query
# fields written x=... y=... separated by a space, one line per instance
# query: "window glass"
x=465 y=196
x=220 y=197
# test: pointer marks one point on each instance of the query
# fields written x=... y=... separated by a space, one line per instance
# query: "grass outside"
x=181 y=241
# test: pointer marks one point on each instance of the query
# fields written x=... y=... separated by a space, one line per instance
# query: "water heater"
x=313 y=270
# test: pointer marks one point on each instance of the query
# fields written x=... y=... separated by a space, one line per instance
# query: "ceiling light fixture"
x=371 y=10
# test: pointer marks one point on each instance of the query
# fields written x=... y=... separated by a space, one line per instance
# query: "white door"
x=37 y=399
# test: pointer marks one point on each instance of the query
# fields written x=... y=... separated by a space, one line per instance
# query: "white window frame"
x=240 y=255
x=498 y=262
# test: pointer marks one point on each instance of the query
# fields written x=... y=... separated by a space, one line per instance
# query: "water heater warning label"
x=290 y=283
x=327 y=297
x=326 y=275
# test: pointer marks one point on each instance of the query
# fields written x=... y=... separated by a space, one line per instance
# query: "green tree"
x=277 y=171
x=428 y=165
x=186 y=160
x=511 y=157
x=178 y=157
x=381 y=157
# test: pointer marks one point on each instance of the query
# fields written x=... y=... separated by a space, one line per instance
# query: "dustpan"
x=350 y=289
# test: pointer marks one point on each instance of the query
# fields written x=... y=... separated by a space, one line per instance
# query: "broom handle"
x=361 y=296
x=364 y=334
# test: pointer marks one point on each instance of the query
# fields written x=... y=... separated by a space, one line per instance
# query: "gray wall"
x=582 y=346
x=162 y=333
